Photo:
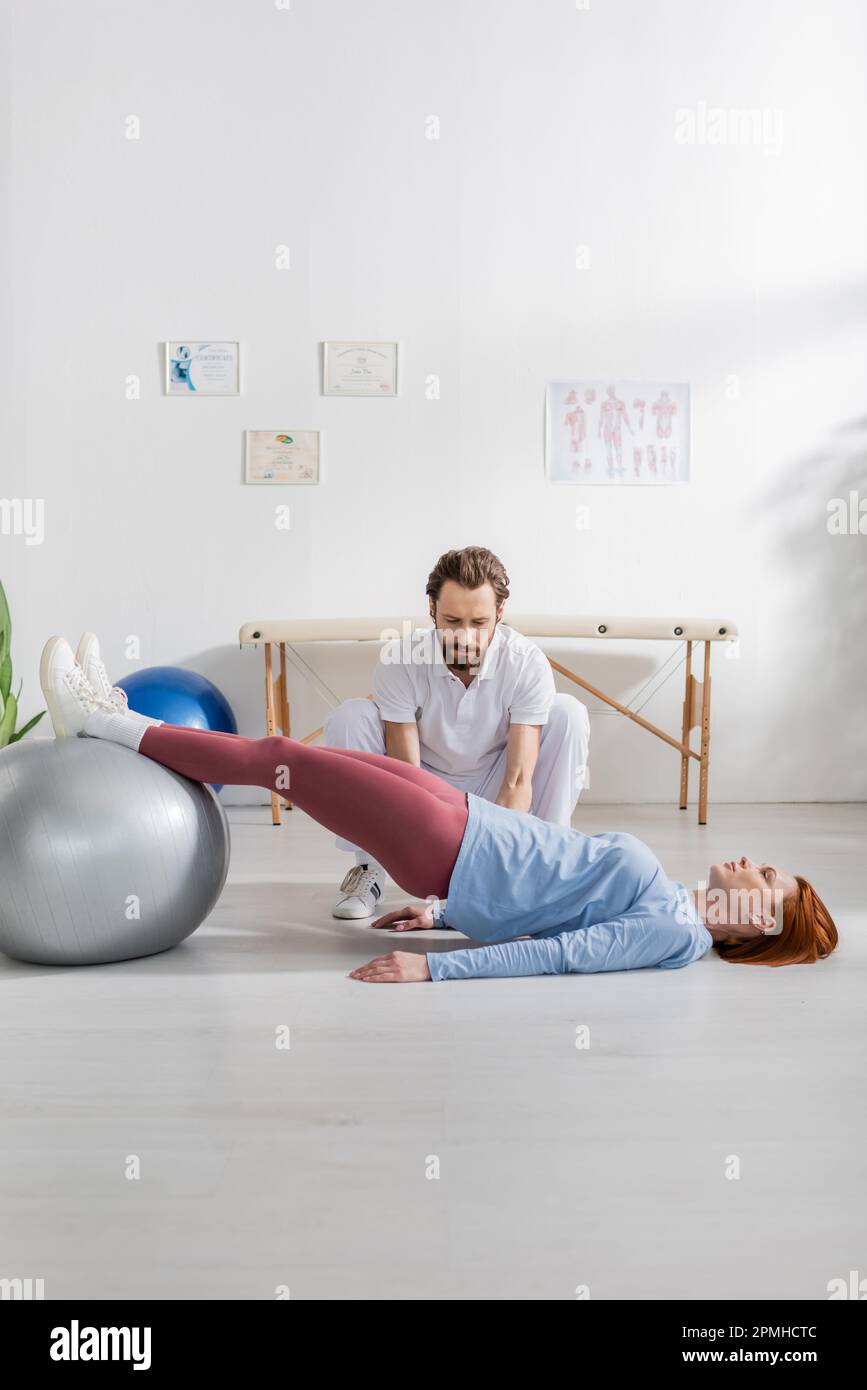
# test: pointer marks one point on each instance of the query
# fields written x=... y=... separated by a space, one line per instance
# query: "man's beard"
x=462 y=659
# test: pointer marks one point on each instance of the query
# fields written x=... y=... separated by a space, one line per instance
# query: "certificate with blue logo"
x=202 y=369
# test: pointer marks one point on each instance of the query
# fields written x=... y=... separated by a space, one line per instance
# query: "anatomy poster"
x=616 y=432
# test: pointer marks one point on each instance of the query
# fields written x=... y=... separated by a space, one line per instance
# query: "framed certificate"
x=282 y=456
x=203 y=369
x=359 y=369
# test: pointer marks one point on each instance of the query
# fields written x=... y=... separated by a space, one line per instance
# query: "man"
x=471 y=700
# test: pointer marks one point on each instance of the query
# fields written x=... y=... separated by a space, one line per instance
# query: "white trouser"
x=557 y=777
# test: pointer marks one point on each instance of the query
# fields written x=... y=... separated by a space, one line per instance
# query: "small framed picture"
x=282 y=456
x=203 y=369
x=359 y=369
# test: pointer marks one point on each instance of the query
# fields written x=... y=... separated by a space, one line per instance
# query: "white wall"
x=307 y=126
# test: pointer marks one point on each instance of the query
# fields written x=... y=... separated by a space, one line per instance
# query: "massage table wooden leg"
x=271 y=723
x=285 y=719
x=687 y=725
x=705 y=739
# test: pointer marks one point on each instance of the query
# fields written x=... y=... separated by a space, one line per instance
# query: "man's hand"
x=397 y=968
x=410 y=918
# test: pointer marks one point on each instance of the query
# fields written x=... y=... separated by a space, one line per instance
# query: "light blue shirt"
x=587 y=902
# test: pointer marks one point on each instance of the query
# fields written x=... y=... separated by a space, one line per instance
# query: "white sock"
x=118 y=728
x=141 y=718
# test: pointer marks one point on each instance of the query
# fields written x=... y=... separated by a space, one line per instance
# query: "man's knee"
x=346 y=726
x=568 y=718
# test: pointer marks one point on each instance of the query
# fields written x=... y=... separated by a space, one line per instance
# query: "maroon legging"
x=409 y=820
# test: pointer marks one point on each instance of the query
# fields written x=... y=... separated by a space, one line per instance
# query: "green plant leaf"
x=5 y=626
x=7 y=723
x=5 y=677
x=27 y=727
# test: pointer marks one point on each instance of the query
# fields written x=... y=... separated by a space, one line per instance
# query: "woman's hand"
x=410 y=918
x=397 y=968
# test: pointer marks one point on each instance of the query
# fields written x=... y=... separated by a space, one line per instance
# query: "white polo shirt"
x=463 y=729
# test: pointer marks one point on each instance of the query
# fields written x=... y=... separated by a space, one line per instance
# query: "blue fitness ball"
x=179 y=697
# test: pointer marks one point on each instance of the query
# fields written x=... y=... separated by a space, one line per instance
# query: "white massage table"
x=287 y=633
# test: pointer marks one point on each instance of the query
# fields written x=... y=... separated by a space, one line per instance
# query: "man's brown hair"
x=471 y=568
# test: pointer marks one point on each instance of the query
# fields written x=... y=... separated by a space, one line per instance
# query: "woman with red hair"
x=537 y=898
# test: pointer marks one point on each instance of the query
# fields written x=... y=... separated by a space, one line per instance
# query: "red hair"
x=809 y=934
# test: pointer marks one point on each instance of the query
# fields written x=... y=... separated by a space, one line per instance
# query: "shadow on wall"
x=819 y=542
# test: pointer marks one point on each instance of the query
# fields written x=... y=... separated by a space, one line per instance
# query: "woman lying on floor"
x=541 y=898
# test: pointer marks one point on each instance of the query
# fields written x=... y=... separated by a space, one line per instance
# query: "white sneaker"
x=68 y=694
x=360 y=891
x=92 y=665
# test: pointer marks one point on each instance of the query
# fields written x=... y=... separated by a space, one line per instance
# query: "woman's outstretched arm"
x=625 y=943
x=414 y=917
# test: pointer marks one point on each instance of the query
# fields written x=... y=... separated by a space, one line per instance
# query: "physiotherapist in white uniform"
x=471 y=700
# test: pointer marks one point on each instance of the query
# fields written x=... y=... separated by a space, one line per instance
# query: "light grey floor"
x=558 y=1167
